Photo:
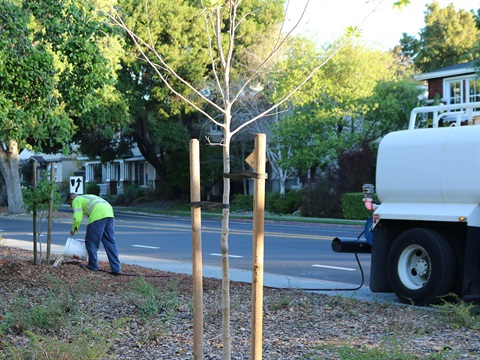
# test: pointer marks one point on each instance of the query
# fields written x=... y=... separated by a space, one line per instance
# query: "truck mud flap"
x=471 y=279
x=378 y=271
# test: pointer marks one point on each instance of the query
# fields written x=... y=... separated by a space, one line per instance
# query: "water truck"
x=424 y=233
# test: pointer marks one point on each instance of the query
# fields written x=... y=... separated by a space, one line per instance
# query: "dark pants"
x=102 y=230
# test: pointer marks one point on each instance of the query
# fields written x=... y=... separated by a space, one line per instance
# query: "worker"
x=100 y=228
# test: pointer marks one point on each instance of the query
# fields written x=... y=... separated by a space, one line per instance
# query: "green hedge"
x=287 y=204
x=242 y=203
x=92 y=188
x=274 y=202
x=353 y=207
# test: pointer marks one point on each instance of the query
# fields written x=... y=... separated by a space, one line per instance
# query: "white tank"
x=438 y=165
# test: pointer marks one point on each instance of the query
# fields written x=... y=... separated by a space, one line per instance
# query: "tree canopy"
x=51 y=70
x=449 y=37
x=331 y=113
x=161 y=121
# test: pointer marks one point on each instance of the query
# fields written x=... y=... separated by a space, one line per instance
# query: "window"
x=215 y=129
x=142 y=174
x=115 y=171
x=462 y=90
x=454 y=92
x=55 y=171
x=474 y=90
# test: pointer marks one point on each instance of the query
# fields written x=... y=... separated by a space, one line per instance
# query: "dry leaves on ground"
x=296 y=325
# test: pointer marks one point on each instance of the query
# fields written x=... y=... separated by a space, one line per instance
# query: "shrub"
x=287 y=204
x=56 y=309
x=353 y=207
x=458 y=313
x=274 y=202
x=151 y=302
x=321 y=200
x=242 y=203
x=131 y=193
x=92 y=188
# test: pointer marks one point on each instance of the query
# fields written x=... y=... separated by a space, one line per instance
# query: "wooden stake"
x=258 y=246
x=35 y=255
x=196 y=214
x=50 y=215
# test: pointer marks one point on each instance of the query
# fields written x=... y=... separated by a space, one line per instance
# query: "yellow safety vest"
x=92 y=206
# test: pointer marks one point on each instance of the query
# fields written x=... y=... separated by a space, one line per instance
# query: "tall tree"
x=50 y=71
x=27 y=109
x=390 y=106
x=330 y=111
x=448 y=38
x=160 y=120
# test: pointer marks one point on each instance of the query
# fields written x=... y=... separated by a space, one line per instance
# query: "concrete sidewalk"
x=236 y=275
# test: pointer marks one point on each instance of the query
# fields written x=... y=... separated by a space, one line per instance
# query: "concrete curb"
x=236 y=275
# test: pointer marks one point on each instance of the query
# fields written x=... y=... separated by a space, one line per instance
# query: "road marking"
x=187 y=228
x=146 y=247
x=334 y=267
x=232 y=256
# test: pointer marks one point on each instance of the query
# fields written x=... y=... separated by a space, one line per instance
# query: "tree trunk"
x=224 y=247
x=9 y=166
x=277 y=169
x=282 y=185
x=3 y=191
x=148 y=150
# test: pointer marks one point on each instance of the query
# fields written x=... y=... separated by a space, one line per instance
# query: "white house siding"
x=65 y=166
x=120 y=173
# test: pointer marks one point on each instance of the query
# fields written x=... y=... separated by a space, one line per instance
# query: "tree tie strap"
x=240 y=175
x=209 y=205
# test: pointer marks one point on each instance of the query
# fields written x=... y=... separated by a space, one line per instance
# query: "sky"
x=382 y=27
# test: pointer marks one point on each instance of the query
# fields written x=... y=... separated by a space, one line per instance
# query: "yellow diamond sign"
x=250 y=160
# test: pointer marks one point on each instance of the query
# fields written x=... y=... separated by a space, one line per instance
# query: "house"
x=63 y=166
x=114 y=176
x=456 y=84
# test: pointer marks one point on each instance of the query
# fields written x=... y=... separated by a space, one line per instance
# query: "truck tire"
x=421 y=267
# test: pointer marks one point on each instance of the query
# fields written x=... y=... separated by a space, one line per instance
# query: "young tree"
x=38 y=199
x=179 y=35
x=225 y=23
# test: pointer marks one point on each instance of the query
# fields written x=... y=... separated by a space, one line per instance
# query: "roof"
x=38 y=159
x=452 y=70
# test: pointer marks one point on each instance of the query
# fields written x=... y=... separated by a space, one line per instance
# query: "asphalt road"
x=291 y=249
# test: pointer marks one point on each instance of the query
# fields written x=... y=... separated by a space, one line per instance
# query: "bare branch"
x=208 y=20
x=221 y=143
x=309 y=76
x=139 y=42
x=296 y=24
x=279 y=43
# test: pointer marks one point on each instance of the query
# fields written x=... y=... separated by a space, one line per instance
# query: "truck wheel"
x=421 y=266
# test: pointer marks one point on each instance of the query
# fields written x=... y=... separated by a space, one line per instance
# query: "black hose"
x=340 y=289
